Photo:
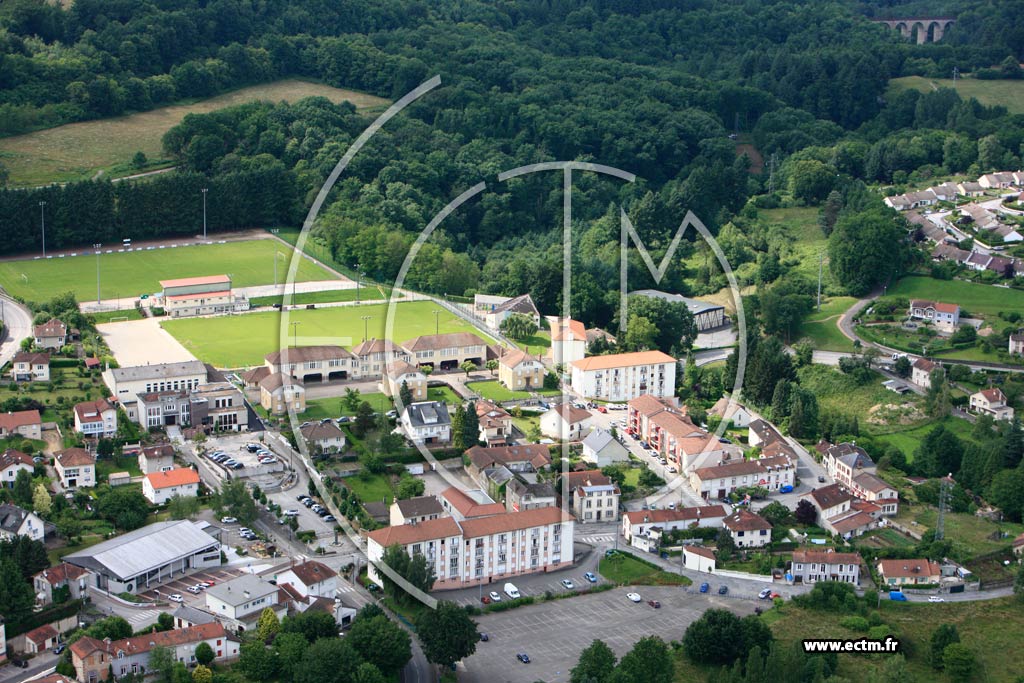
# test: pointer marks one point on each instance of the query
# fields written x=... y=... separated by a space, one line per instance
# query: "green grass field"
x=970 y=531
x=370 y=487
x=493 y=390
x=326 y=296
x=443 y=394
x=124 y=275
x=242 y=340
x=909 y=440
x=78 y=151
x=821 y=329
x=978 y=300
x=537 y=343
x=1005 y=93
x=322 y=408
x=629 y=571
x=840 y=393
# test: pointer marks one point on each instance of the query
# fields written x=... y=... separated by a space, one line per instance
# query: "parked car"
x=511 y=591
x=228 y=520
x=568 y=584
x=523 y=657
x=494 y=596
x=704 y=587
x=302 y=498
x=654 y=603
x=330 y=518
x=290 y=513
x=765 y=593
x=591 y=577
x=176 y=598
x=821 y=479
x=486 y=599
x=60 y=648
x=936 y=598
x=20 y=663
x=634 y=597
x=194 y=590
x=484 y=637
x=723 y=589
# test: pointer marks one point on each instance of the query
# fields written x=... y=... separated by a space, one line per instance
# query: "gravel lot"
x=138 y=342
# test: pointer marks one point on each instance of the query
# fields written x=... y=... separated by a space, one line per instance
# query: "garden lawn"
x=821 y=328
x=370 y=487
x=977 y=299
x=625 y=570
x=321 y=408
x=443 y=394
x=126 y=463
x=243 y=340
x=840 y=393
x=131 y=274
x=535 y=343
x=493 y=390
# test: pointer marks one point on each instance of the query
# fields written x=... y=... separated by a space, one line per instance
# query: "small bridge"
x=920 y=29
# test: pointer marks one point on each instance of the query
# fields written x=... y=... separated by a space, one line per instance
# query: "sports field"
x=78 y=151
x=978 y=300
x=242 y=340
x=130 y=274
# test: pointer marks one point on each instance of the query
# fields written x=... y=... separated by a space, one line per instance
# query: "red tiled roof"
x=468 y=507
x=825 y=557
x=536 y=454
x=21 y=418
x=92 y=411
x=181 y=476
x=993 y=395
x=679 y=515
x=908 y=568
x=744 y=520
x=12 y=457
x=55 y=576
x=700 y=550
x=201 y=280
x=51 y=328
x=571 y=414
x=574 y=480
x=40 y=635
x=571 y=330
x=830 y=496
x=145 y=642
x=648 y=405
x=312 y=572
x=515 y=358
x=404 y=534
x=196 y=295
x=513 y=521
x=622 y=360
x=75 y=457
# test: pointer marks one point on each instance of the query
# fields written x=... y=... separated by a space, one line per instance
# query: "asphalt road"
x=17 y=325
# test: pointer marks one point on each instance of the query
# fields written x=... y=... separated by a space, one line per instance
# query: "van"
x=511 y=591
x=898 y=596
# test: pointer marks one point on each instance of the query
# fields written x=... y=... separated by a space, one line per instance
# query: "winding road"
x=17 y=325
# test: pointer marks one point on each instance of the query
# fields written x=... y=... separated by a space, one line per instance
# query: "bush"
x=855 y=623
x=880 y=632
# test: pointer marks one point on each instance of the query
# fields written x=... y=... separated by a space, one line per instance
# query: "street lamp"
x=97 y=247
x=365 y=319
x=295 y=333
x=359 y=278
x=275 y=266
x=436 y=323
x=42 y=224
x=204 y=191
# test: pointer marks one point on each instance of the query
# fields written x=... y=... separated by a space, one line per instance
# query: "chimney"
x=246 y=594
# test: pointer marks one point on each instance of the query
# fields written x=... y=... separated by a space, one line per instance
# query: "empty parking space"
x=180 y=584
x=554 y=633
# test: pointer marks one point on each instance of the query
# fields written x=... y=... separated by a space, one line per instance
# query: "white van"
x=511 y=591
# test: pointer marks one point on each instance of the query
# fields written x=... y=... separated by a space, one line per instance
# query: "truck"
x=511 y=591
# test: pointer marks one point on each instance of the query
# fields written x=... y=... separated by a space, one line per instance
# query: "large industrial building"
x=706 y=316
x=143 y=558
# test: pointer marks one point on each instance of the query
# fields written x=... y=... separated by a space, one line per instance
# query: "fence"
x=763 y=578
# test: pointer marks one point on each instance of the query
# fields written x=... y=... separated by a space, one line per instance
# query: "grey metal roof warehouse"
x=144 y=550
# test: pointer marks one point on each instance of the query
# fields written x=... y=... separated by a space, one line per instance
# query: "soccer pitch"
x=130 y=274
x=236 y=341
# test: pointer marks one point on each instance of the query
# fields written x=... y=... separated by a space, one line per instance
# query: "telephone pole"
x=97 y=247
x=42 y=224
x=821 y=261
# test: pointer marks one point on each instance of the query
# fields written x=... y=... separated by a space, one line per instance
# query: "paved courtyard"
x=142 y=342
x=554 y=633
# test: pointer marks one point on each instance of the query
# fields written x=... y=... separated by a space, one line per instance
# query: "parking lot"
x=180 y=585
x=554 y=633
x=234 y=445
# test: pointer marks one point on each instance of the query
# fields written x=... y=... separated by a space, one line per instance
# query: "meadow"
x=242 y=340
x=131 y=274
x=821 y=329
x=976 y=299
x=1005 y=93
x=78 y=151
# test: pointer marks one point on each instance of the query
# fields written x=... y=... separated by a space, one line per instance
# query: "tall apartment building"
x=624 y=376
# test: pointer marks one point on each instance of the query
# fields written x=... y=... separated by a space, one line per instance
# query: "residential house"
x=495 y=423
x=840 y=512
x=30 y=366
x=446 y=351
x=568 y=341
x=11 y=462
x=730 y=411
x=280 y=393
x=26 y=423
x=845 y=461
x=999 y=180
x=898 y=573
x=218 y=406
x=482 y=550
x=871 y=488
x=520 y=371
x=978 y=261
x=601 y=449
x=415 y=510
x=921 y=372
x=96 y=419
x=251 y=378
x=945 y=316
x=638 y=522
x=41 y=639
x=991 y=402
x=127 y=383
x=521 y=495
x=949 y=252
x=400 y=372
x=495 y=310
x=75 y=467
x=979 y=217
x=623 y=376
x=159 y=409
x=718 y=481
x=747 y=529
x=593 y=502
x=763 y=434
x=1018 y=546
x=1017 y=343
x=375 y=356
x=52 y=334
x=830 y=501
x=323 y=436
x=565 y=422
x=312 y=363
x=699 y=559
x=468 y=504
x=95 y=660
x=158 y=458
x=643 y=408
x=518 y=458
x=15 y=521
x=237 y=603
x=427 y=422
x=811 y=566
x=971 y=189
x=160 y=487
x=76 y=579
x=946 y=192
x=311 y=579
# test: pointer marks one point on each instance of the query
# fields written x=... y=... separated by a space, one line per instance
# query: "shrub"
x=880 y=632
x=855 y=623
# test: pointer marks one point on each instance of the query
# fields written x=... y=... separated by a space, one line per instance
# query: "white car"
x=935 y=598
x=176 y=598
x=569 y=585
x=494 y=596
x=635 y=597
x=194 y=590
x=228 y=520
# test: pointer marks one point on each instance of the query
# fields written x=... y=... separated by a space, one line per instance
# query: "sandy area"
x=141 y=342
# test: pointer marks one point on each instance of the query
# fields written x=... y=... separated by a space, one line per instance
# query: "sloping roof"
x=192 y=281
x=520 y=304
x=678 y=515
x=568 y=330
x=648 y=405
x=912 y=568
x=993 y=395
x=427 y=414
x=370 y=346
x=937 y=305
x=870 y=482
x=92 y=411
x=12 y=457
x=55 y=576
x=75 y=457
x=400 y=367
x=21 y=418
x=622 y=360
x=694 y=305
x=825 y=557
x=320 y=431
x=12 y=517
x=744 y=520
x=404 y=534
x=725 y=408
x=740 y=468
x=275 y=381
x=514 y=359
x=304 y=354
x=678 y=426
x=193 y=615
x=51 y=328
x=435 y=342
x=467 y=506
x=699 y=550
x=830 y=496
x=143 y=549
x=538 y=490
x=420 y=506
x=31 y=357
x=1019 y=541
x=948 y=251
x=574 y=480
x=161 y=450
x=925 y=365
x=137 y=373
x=513 y=521
x=570 y=413
x=255 y=375
x=312 y=572
x=851 y=455
x=147 y=641
x=598 y=439
x=180 y=476
x=40 y=635
x=490 y=410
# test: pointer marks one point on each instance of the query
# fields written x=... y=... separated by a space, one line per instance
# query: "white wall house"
x=96 y=419
x=160 y=487
x=427 y=422
x=624 y=376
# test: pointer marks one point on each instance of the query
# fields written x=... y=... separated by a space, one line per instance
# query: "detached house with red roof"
x=27 y=366
x=898 y=573
x=991 y=402
x=565 y=422
x=76 y=579
x=311 y=578
x=945 y=316
x=26 y=423
x=52 y=334
x=747 y=529
x=76 y=467
x=11 y=462
x=520 y=371
x=96 y=419
x=160 y=487
x=921 y=372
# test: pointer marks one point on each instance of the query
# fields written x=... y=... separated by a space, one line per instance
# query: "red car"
x=602 y=409
x=654 y=603
x=486 y=600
